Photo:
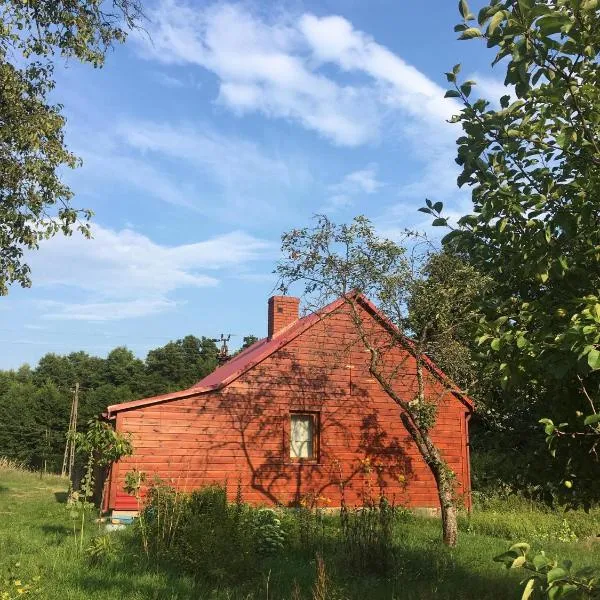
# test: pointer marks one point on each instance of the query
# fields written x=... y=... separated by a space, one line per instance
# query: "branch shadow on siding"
x=357 y=459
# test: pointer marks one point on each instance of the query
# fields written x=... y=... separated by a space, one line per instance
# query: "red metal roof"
x=263 y=348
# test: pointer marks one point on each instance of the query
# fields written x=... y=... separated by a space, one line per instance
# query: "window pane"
x=301 y=436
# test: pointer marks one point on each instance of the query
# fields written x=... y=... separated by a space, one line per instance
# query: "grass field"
x=36 y=531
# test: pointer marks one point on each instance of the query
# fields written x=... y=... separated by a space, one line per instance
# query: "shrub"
x=202 y=533
x=367 y=536
x=101 y=549
x=268 y=533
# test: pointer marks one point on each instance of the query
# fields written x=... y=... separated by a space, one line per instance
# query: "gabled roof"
x=263 y=348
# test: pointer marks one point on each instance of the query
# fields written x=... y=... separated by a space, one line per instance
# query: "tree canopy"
x=35 y=404
x=34 y=201
x=330 y=261
x=532 y=164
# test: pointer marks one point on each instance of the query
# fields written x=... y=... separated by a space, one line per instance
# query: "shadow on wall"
x=356 y=454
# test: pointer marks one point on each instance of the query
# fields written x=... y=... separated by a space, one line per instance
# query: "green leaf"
x=424 y=209
x=463 y=8
x=495 y=344
x=553 y=23
x=525 y=6
x=541 y=561
x=452 y=94
x=593 y=359
x=440 y=222
x=465 y=88
x=496 y=20
x=592 y=419
x=556 y=574
x=470 y=33
x=549 y=426
x=438 y=207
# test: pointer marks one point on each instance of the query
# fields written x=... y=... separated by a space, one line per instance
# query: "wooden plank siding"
x=240 y=434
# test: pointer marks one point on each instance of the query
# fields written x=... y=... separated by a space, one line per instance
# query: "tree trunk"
x=419 y=434
x=447 y=504
x=442 y=477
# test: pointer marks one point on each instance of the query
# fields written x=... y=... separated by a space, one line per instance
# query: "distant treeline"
x=35 y=403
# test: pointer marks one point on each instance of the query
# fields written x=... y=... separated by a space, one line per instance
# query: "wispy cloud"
x=323 y=74
x=126 y=274
x=275 y=66
x=353 y=185
x=114 y=164
x=229 y=159
x=167 y=80
x=185 y=164
x=105 y=311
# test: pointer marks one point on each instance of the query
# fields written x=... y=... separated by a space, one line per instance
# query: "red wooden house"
x=297 y=415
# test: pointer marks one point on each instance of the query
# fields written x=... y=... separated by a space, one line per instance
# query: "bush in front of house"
x=205 y=534
x=216 y=540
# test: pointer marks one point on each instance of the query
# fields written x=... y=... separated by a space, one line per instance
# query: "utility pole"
x=69 y=456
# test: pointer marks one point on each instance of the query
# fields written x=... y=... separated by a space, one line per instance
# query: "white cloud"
x=364 y=180
x=126 y=274
x=184 y=164
x=273 y=66
x=105 y=311
x=168 y=80
x=321 y=73
x=354 y=184
x=333 y=39
x=115 y=165
x=230 y=159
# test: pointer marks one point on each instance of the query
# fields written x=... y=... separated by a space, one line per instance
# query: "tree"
x=533 y=166
x=180 y=364
x=248 y=341
x=35 y=404
x=124 y=369
x=34 y=202
x=330 y=261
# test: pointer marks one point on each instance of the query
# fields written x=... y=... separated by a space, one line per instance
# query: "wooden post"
x=69 y=456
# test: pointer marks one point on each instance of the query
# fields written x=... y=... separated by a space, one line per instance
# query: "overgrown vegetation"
x=35 y=532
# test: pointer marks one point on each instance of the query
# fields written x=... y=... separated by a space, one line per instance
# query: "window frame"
x=315 y=417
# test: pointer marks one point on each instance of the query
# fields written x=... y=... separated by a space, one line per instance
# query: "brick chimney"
x=283 y=311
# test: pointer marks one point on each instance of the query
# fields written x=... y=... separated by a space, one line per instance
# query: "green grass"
x=37 y=532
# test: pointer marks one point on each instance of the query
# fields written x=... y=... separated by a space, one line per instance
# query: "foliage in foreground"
x=549 y=578
x=36 y=532
x=35 y=203
x=533 y=166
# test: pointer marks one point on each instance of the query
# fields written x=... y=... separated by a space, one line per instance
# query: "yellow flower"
x=17 y=582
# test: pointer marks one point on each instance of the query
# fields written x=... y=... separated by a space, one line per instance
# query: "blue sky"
x=225 y=126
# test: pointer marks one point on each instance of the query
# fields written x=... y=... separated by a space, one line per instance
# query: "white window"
x=302 y=435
